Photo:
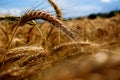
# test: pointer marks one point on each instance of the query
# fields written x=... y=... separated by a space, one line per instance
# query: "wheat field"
x=40 y=51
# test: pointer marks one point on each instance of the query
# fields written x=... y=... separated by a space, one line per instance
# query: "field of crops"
x=86 y=48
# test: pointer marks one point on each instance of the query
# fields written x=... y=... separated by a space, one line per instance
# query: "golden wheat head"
x=37 y=14
x=19 y=59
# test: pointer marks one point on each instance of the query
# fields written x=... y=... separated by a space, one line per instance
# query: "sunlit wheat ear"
x=20 y=52
x=56 y=8
x=21 y=57
x=74 y=44
x=32 y=15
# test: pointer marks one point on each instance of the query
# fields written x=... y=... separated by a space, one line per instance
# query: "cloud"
x=11 y=12
x=108 y=1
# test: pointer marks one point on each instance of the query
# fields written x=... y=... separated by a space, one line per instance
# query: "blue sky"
x=70 y=8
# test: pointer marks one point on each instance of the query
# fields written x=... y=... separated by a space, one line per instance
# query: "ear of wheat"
x=56 y=8
x=32 y=15
x=20 y=58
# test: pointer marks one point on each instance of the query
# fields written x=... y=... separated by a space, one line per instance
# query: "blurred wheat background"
x=84 y=48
